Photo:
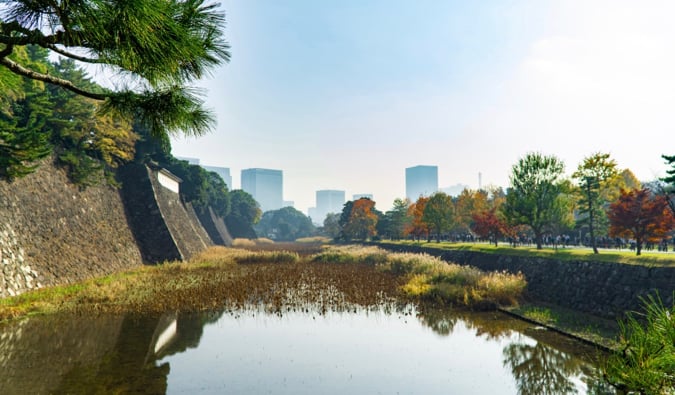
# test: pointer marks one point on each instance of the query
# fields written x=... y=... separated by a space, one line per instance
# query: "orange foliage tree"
x=362 y=220
x=641 y=216
x=416 y=227
x=489 y=225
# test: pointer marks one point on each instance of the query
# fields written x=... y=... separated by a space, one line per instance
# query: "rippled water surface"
x=299 y=352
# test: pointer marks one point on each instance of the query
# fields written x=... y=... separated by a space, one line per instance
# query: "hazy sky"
x=347 y=94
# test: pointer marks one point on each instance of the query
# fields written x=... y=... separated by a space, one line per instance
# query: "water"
x=381 y=351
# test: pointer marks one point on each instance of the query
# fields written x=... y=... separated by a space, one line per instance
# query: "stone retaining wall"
x=52 y=232
x=600 y=288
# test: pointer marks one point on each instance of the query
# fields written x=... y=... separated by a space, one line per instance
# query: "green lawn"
x=648 y=258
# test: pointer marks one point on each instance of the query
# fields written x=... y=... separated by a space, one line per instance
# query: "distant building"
x=224 y=173
x=420 y=181
x=454 y=190
x=192 y=161
x=265 y=185
x=362 y=195
x=289 y=203
x=327 y=201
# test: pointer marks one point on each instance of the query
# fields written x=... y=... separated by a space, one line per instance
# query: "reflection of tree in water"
x=491 y=325
x=131 y=367
x=539 y=369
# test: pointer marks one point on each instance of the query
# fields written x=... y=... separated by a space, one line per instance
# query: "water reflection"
x=114 y=354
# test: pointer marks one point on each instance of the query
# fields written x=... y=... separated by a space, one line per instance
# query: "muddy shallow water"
x=385 y=349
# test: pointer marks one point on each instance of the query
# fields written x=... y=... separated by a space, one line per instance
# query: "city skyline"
x=323 y=92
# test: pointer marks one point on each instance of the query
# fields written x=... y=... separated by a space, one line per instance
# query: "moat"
x=386 y=349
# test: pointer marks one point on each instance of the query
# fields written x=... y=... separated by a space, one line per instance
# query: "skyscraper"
x=265 y=185
x=420 y=181
x=327 y=201
x=224 y=173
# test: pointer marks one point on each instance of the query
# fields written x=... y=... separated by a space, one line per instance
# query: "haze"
x=345 y=95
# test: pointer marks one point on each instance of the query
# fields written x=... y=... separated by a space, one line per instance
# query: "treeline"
x=599 y=206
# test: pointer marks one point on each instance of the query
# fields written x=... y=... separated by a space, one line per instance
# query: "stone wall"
x=51 y=232
x=165 y=228
x=604 y=289
x=215 y=227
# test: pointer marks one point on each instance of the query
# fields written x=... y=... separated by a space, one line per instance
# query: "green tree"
x=285 y=224
x=22 y=139
x=535 y=186
x=593 y=175
x=393 y=222
x=160 y=46
x=439 y=213
x=669 y=189
x=244 y=213
x=331 y=225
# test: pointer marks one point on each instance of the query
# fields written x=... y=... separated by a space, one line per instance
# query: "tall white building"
x=327 y=201
x=265 y=185
x=224 y=173
x=420 y=181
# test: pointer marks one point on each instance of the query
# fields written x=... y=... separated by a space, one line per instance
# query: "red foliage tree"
x=641 y=216
x=416 y=227
x=488 y=225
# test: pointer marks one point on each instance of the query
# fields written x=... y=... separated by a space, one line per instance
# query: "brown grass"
x=334 y=279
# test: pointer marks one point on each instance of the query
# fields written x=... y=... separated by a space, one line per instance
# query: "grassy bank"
x=231 y=278
x=648 y=258
x=432 y=280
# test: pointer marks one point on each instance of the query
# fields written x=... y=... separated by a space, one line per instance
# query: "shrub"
x=645 y=360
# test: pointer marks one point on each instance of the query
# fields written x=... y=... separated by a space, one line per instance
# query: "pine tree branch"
x=19 y=69
x=71 y=55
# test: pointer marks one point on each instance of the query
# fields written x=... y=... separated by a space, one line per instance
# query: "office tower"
x=266 y=187
x=327 y=201
x=420 y=181
x=224 y=173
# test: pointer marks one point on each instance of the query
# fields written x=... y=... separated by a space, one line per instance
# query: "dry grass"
x=280 y=280
x=432 y=279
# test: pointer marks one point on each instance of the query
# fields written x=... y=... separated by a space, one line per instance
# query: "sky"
x=347 y=94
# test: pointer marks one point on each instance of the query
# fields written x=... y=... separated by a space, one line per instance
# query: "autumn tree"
x=362 y=220
x=438 y=214
x=535 y=186
x=468 y=203
x=159 y=47
x=416 y=227
x=640 y=215
x=490 y=225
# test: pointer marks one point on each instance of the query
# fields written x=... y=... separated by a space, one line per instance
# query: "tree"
x=362 y=220
x=159 y=46
x=416 y=226
x=643 y=363
x=285 y=224
x=468 y=203
x=393 y=222
x=641 y=216
x=331 y=225
x=438 y=213
x=669 y=189
x=535 y=186
x=244 y=213
x=592 y=176
x=490 y=225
